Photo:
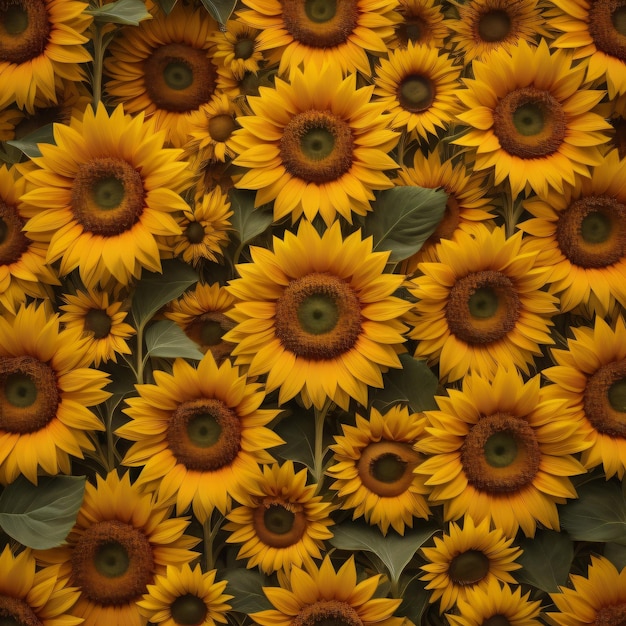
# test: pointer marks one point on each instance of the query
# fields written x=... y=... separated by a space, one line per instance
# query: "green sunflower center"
x=497 y=620
x=317 y=143
x=194 y=232
x=529 y=119
x=413 y=29
x=178 y=75
x=15 y=20
x=279 y=523
x=605 y=399
x=221 y=127
x=494 y=25
x=416 y=93
x=388 y=468
x=617 y=395
x=318 y=317
x=188 y=610
x=595 y=227
x=108 y=193
x=278 y=519
x=207 y=330
x=204 y=430
x=20 y=390
x=501 y=449
x=244 y=48
x=483 y=303
x=15 y=612
x=468 y=568
x=24 y=30
x=13 y=241
x=211 y=333
x=327 y=613
x=111 y=560
x=320 y=11
x=607 y=26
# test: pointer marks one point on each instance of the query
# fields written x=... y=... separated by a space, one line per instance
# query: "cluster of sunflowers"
x=312 y=312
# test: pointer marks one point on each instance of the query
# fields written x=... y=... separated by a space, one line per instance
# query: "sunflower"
x=317 y=315
x=113 y=187
x=496 y=606
x=596 y=32
x=324 y=596
x=204 y=229
x=102 y=321
x=201 y=314
x=531 y=119
x=581 y=234
x=598 y=598
x=481 y=303
x=591 y=376
x=237 y=49
x=121 y=539
x=163 y=67
x=40 y=40
x=184 y=596
x=200 y=435
x=422 y=23
x=34 y=597
x=418 y=85
x=501 y=450
x=467 y=558
x=295 y=32
x=468 y=201
x=373 y=470
x=284 y=526
x=23 y=270
x=486 y=25
x=45 y=389
x=315 y=145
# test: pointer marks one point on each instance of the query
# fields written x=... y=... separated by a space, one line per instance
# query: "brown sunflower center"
x=468 y=568
x=208 y=328
x=112 y=562
x=16 y=612
x=24 y=30
x=482 y=307
x=318 y=317
x=607 y=27
x=28 y=394
x=591 y=232
x=317 y=146
x=605 y=399
x=13 y=241
x=614 y=615
x=416 y=93
x=107 y=196
x=279 y=523
x=194 y=232
x=98 y=322
x=320 y=23
x=500 y=454
x=188 y=610
x=204 y=434
x=448 y=223
x=497 y=620
x=179 y=77
x=221 y=127
x=529 y=123
x=243 y=48
x=413 y=29
x=386 y=467
x=327 y=613
x=493 y=25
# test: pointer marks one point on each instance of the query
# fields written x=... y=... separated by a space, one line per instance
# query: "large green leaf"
x=246 y=587
x=393 y=550
x=247 y=221
x=156 y=290
x=403 y=218
x=127 y=12
x=167 y=5
x=29 y=144
x=166 y=339
x=546 y=560
x=414 y=600
x=616 y=553
x=221 y=10
x=41 y=516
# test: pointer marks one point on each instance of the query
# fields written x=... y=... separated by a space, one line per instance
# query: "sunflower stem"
x=98 y=60
x=318 y=453
x=209 y=532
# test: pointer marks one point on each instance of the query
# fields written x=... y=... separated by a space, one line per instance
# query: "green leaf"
x=247 y=221
x=41 y=516
x=221 y=10
x=546 y=560
x=156 y=290
x=599 y=514
x=29 y=145
x=166 y=339
x=414 y=600
x=403 y=219
x=394 y=550
x=616 y=553
x=127 y=12
x=414 y=384
x=247 y=588
x=167 y=6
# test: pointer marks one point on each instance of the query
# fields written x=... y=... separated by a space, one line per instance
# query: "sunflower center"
x=500 y=454
x=607 y=27
x=482 y=307
x=204 y=435
x=207 y=329
x=15 y=612
x=529 y=123
x=412 y=29
x=13 y=241
x=112 y=562
x=179 y=77
x=194 y=232
x=98 y=322
x=24 y=30
x=188 y=610
x=320 y=23
x=494 y=25
x=244 y=48
x=468 y=568
x=386 y=467
x=614 y=615
x=221 y=127
x=591 y=232
x=279 y=523
x=318 y=317
x=448 y=223
x=605 y=399
x=107 y=196
x=327 y=613
x=28 y=394
x=317 y=146
x=416 y=93
x=497 y=620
